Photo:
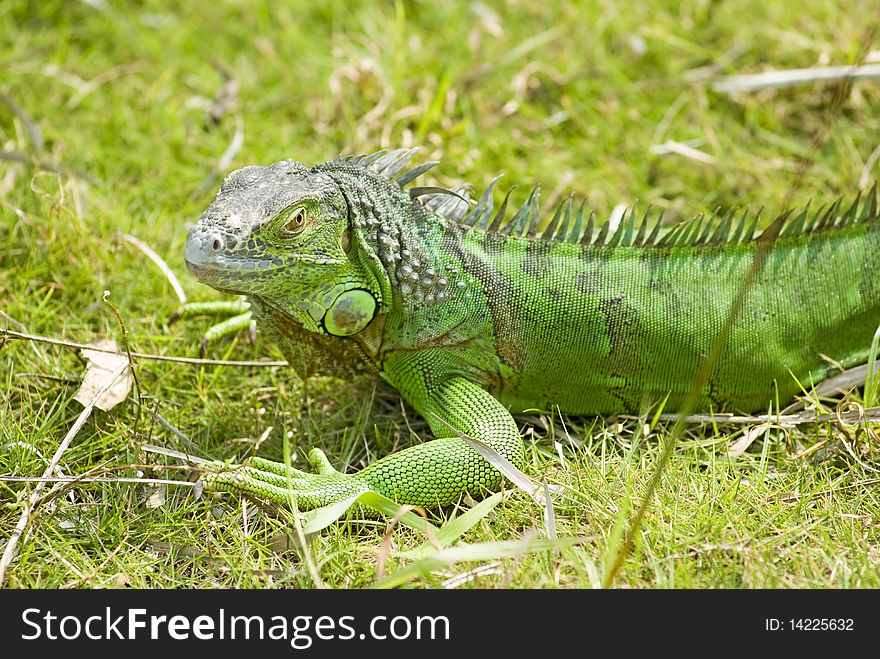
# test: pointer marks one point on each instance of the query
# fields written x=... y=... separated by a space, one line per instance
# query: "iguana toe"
x=279 y=483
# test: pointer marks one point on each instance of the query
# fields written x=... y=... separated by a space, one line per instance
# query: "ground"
x=119 y=119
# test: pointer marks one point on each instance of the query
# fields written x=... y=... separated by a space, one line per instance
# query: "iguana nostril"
x=216 y=245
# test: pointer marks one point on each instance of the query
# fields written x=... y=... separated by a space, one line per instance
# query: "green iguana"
x=470 y=315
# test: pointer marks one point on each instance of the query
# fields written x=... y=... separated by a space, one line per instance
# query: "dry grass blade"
x=162 y=421
x=25 y=159
x=226 y=100
x=549 y=514
x=470 y=575
x=160 y=263
x=177 y=455
x=842 y=382
x=780 y=420
x=684 y=150
x=385 y=545
x=234 y=146
x=93 y=479
x=225 y=160
x=865 y=176
x=789 y=78
x=7 y=334
x=741 y=445
x=36 y=138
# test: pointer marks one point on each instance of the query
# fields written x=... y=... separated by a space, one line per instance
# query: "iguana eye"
x=295 y=222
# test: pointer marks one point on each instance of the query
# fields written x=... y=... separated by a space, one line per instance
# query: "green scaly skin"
x=350 y=272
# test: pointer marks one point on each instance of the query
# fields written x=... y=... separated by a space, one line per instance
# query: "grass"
x=113 y=96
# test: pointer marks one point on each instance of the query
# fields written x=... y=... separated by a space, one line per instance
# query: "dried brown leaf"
x=102 y=367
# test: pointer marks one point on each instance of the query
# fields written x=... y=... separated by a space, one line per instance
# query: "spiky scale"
x=849 y=217
x=432 y=192
x=639 y=240
x=552 y=226
x=796 y=226
x=671 y=237
x=693 y=230
x=520 y=219
x=373 y=157
x=453 y=206
x=871 y=206
x=479 y=215
x=722 y=229
x=415 y=172
x=587 y=238
x=719 y=228
x=706 y=231
x=603 y=234
x=751 y=226
x=827 y=220
x=391 y=162
x=624 y=233
x=574 y=235
x=565 y=222
x=534 y=212
x=394 y=168
x=502 y=211
x=655 y=232
x=629 y=233
x=737 y=227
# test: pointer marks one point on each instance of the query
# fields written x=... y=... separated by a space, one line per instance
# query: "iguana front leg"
x=432 y=474
x=240 y=319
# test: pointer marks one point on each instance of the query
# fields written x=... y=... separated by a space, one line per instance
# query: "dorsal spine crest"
x=722 y=227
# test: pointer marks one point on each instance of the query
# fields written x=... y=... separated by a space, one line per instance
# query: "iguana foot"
x=238 y=309
x=433 y=474
x=276 y=482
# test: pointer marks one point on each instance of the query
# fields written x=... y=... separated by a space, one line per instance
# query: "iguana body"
x=471 y=317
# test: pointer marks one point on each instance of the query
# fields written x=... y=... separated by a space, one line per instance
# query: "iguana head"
x=282 y=233
x=332 y=246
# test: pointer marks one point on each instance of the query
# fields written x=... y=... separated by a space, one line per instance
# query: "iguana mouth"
x=205 y=258
x=212 y=271
x=224 y=264
x=209 y=274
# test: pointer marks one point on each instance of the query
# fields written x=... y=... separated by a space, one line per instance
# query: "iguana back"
x=602 y=329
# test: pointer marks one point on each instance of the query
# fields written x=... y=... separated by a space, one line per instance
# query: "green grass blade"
x=485 y=551
x=454 y=529
x=871 y=376
x=321 y=518
x=388 y=507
